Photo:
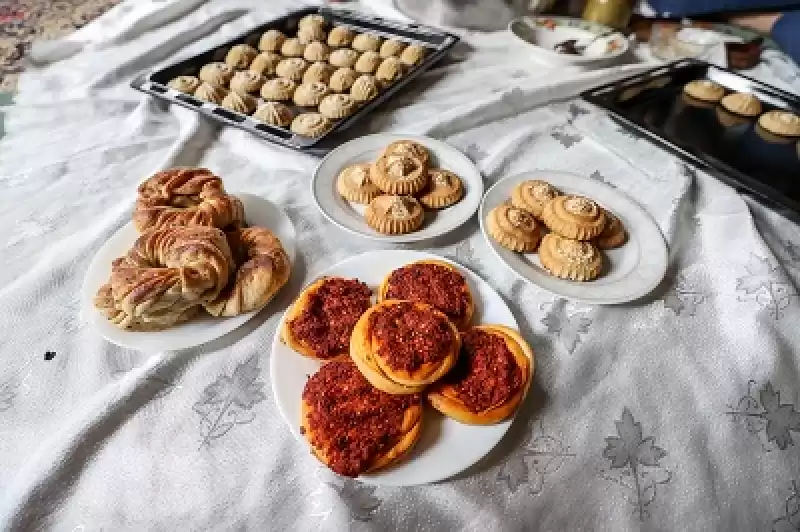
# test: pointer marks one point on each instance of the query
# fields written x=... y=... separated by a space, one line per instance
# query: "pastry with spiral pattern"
x=566 y=258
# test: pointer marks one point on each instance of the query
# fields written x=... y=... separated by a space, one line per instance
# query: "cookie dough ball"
x=340 y=37
x=278 y=89
x=310 y=33
x=342 y=79
x=292 y=68
x=367 y=42
x=392 y=47
x=390 y=70
x=316 y=51
x=336 y=106
x=364 y=88
x=240 y=56
x=293 y=48
x=265 y=63
x=271 y=41
x=310 y=94
x=218 y=74
x=343 y=58
x=318 y=72
x=368 y=63
x=413 y=55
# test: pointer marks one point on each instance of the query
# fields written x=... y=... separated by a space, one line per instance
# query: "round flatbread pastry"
x=354 y=184
x=402 y=346
x=320 y=322
x=742 y=103
x=490 y=379
x=443 y=190
x=782 y=123
x=532 y=196
x=352 y=427
x=514 y=228
x=394 y=215
x=704 y=90
x=575 y=217
x=434 y=282
x=570 y=259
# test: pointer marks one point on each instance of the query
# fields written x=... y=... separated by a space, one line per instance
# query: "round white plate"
x=350 y=216
x=445 y=447
x=204 y=328
x=631 y=271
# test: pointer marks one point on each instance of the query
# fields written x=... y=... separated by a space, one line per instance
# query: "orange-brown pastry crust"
x=394 y=215
x=409 y=148
x=566 y=258
x=352 y=427
x=353 y=184
x=614 y=234
x=320 y=322
x=490 y=380
x=575 y=217
x=532 y=196
x=513 y=228
x=399 y=174
x=402 y=346
x=434 y=282
x=443 y=190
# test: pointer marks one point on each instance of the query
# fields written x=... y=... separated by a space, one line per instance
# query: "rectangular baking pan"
x=733 y=149
x=437 y=42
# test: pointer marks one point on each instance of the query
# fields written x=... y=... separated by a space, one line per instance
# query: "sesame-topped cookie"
x=533 y=195
x=394 y=215
x=574 y=217
x=514 y=228
x=566 y=258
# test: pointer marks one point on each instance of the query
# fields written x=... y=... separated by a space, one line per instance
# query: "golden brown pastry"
x=399 y=174
x=401 y=346
x=218 y=74
x=313 y=19
x=342 y=79
x=392 y=47
x=247 y=81
x=367 y=42
x=364 y=88
x=278 y=89
x=343 y=58
x=262 y=268
x=336 y=106
x=613 y=235
x=514 y=228
x=311 y=124
x=183 y=197
x=292 y=68
x=265 y=63
x=704 y=90
x=434 y=282
x=368 y=63
x=319 y=72
x=574 y=217
x=340 y=36
x=409 y=148
x=781 y=123
x=274 y=113
x=532 y=196
x=443 y=190
x=240 y=56
x=320 y=322
x=390 y=70
x=310 y=94
x=352 y=427
x=210 y=93
x=239 y=103
x=293 y=48
x=316 y=51
x=353 y=184
x=490 y=380
x=311 y=33
x=185 y=84
x=271 y=41
x=566 y=258
x=742 y=103
x=394 y=215
x=165 y=275
x=413 y=55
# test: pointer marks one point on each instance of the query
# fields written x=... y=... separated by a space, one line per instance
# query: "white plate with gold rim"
x=631 y=271
x=445 y=447
x=350 y=216
x=259 y=212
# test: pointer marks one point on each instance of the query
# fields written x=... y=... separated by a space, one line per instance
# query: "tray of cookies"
x=743 y=131
x=300 y=78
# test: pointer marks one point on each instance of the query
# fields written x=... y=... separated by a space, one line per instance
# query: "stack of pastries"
x=193 y=255
x=398 y=186
x=306 y=81
x=363 y=409
x=569 y=231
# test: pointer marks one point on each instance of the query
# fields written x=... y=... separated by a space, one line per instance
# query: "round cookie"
x=292 y=48
x=274 y=113
x=367 y=42
x=343 y=57
x=265 y=63
x=353 y=184
x=394 y=215
x=342 y=79
x=613 y=235
x=271 y=41
x=310 y=33
x=336 y=106
x=364 y=88
x=392 y=47
x=444 y=189
x=319 y=72
x=185 y=84
x=340 y=36
x=368 y=63
x=240 y=103
x=781 y=123
x=247 y=81
x=742 y=103
x=240 y=56
x=314 y=19
x=409 y=148
x=704 y=90
x=390 y=70
x=574 y=217
x=514 y=228
x=310 y=94
x=532 y=196
x=316 y=51
x=210 y=93
x=310 y=125
x=292 y=68
x=413 y=55
x=570 y=259
x=399 y=174
x=278 y=89
x=218 y=74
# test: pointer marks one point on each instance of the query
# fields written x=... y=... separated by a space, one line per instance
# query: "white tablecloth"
x=677 y=412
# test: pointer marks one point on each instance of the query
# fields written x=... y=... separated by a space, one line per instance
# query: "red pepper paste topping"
x=327 y=321
x=409 y=337
x=486 y=374
x=351 y=422
x=441 y=287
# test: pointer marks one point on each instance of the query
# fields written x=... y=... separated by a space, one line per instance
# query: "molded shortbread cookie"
x=570 y=259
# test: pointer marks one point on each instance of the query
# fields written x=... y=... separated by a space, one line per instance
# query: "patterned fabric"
x=23 y=21
x=675 y=412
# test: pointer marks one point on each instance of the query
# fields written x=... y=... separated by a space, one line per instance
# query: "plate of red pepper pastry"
x=399 y=368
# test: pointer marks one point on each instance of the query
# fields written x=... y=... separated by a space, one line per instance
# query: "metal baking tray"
x=731 y=148
x=436 y=41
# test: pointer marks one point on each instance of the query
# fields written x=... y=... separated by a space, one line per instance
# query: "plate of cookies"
x=194 y=263
x=397 y=188
x=399 y=368
x=574 y=236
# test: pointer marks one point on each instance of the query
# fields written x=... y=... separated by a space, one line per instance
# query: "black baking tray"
x=436 y=41
x=734 y=149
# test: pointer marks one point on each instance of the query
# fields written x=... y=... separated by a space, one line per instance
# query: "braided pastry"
x=183 y=197
x=165 y=276
x=263 y=269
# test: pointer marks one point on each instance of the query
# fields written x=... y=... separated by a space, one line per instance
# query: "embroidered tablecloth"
x=676 y=412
